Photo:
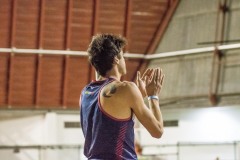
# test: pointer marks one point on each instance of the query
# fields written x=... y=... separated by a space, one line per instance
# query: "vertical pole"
x=178 y=151
x=217 y=57
x=235 y=150
x=39 y=153
x=79 y=152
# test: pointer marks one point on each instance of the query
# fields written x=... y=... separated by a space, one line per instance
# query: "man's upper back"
x=114 y=99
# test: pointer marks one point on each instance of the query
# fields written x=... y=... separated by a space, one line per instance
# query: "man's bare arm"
x=143 y=113
x=150 y=84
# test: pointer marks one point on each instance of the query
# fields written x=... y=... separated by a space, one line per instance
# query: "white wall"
x=39 y=129
x=210 y=127
x=215 y=124
x=23 y=130
x=43 y=129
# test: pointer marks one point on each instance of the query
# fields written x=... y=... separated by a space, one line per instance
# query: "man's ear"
x=116 y=60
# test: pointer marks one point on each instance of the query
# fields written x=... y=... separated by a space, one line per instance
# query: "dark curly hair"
x=103 y=49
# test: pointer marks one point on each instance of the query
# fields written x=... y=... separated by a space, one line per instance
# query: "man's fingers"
x=151 y=74
x=160 y=75
x=157 y=75
x=139 y=75
x=137 y=79
x=145 y=78
x=154 y=75
x=146 y=73
x=162 y=79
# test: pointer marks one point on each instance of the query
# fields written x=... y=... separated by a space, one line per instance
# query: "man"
x=107 y=105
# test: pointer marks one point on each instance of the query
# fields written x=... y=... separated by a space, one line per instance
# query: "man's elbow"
x=157 y=134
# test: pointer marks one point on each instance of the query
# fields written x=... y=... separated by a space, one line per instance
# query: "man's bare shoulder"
x=119 y=89
x=128 y=90
x=126 y=87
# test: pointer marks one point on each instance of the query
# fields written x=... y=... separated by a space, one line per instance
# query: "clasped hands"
x=150 y=83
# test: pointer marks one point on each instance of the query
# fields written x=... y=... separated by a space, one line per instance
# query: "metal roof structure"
x=55 y=81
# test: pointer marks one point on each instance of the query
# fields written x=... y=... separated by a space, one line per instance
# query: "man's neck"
x=114 y=75
x=111 y=76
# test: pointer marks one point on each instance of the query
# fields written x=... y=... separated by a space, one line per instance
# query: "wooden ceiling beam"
x=41 y=18
x=13 y=23
x=162 y=26
x=172 y=5
x=12 y=44
x=65 y=72
x=95 y=26
x=68 y=24
x=127 y=24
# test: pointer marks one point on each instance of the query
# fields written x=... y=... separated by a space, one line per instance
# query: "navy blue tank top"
x=106 y=138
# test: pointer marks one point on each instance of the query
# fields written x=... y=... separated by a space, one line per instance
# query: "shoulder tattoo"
x=109 y=93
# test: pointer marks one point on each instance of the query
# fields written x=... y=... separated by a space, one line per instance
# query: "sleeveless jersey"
x=106 y=138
